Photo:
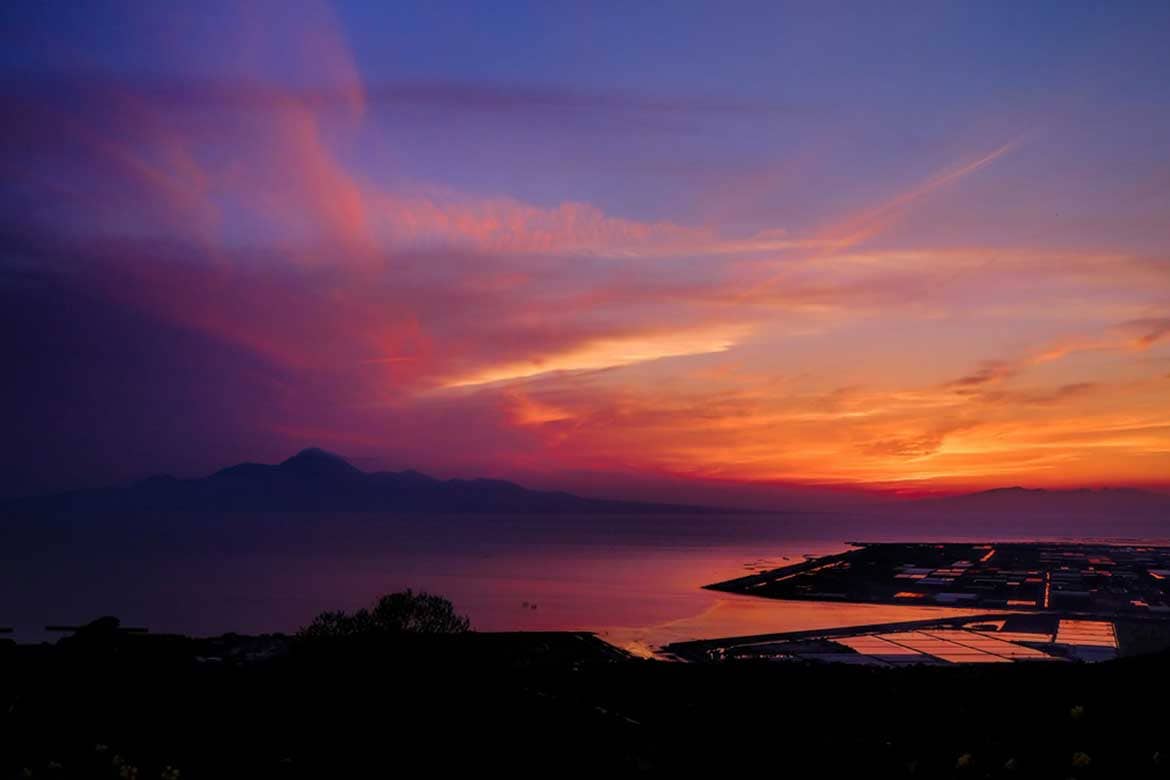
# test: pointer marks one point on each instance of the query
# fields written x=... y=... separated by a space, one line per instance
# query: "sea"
x=635 y=580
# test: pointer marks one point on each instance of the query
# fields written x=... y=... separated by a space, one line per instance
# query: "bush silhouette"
x=405 y=612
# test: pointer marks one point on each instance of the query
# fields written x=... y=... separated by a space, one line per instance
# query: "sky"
x=626 y=249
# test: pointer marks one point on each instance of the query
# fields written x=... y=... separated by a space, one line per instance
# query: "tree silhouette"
x=405 y=612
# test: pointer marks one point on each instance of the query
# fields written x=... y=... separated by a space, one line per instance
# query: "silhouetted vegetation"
x=121 y=704
x=405 y=612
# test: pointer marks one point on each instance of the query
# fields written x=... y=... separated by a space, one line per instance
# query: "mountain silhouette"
x=1070 y=502
x=314 y=480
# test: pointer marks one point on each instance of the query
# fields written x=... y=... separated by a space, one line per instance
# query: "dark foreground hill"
x=315 y=480
x=115 y=705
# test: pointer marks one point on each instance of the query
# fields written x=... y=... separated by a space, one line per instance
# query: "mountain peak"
x=1014 y=490
x=314 y=480
x=315 y=461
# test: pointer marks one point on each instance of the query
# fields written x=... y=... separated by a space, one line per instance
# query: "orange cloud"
x=526 y=410
x=1148 y=331
x=610 y=353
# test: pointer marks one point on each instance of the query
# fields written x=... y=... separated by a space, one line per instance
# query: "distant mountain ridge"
x=314 y=480
x=1074 y=501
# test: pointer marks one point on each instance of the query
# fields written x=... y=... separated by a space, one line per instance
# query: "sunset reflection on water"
x=733 y=615
x=636 y=580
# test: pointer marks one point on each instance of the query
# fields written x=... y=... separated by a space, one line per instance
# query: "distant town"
x=1053 y=601
x=1104 y=579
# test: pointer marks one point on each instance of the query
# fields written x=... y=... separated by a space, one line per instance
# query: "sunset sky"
x=617 y=248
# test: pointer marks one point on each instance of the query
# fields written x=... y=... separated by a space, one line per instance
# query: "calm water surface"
x=634 y=579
